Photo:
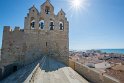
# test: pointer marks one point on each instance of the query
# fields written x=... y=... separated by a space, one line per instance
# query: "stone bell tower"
x=47 y=33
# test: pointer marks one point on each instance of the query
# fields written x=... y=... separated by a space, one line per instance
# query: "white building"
x=102 y=65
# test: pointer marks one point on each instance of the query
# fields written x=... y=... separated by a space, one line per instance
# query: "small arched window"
x=61 y=26
x=47 y=10
x=51 y=25
x=32 y=24
x=41 y=24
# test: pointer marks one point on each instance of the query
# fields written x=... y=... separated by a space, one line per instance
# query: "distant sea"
x=120 y=51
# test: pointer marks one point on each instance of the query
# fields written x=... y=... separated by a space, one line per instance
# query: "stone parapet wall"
x=30 y=78
x=92 y=75
x=9 y=29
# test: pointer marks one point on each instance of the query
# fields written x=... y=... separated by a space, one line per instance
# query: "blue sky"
x=99 y=25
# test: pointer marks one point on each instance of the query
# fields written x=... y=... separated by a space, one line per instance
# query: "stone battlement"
x=9 y=29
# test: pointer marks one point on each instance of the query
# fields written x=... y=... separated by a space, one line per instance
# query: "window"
x=61 y=26
x=32 y=24
x=41 y=24
x=51 y=25
x=47 y=10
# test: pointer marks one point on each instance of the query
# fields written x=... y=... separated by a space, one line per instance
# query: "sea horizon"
x=107 y=50
x=120 y=51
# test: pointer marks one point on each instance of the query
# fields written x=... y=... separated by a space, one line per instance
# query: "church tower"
x=47 y=33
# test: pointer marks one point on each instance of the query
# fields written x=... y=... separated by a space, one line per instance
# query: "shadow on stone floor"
x=50 y=64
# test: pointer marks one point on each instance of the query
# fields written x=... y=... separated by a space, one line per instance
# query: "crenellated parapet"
x=9 y=29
